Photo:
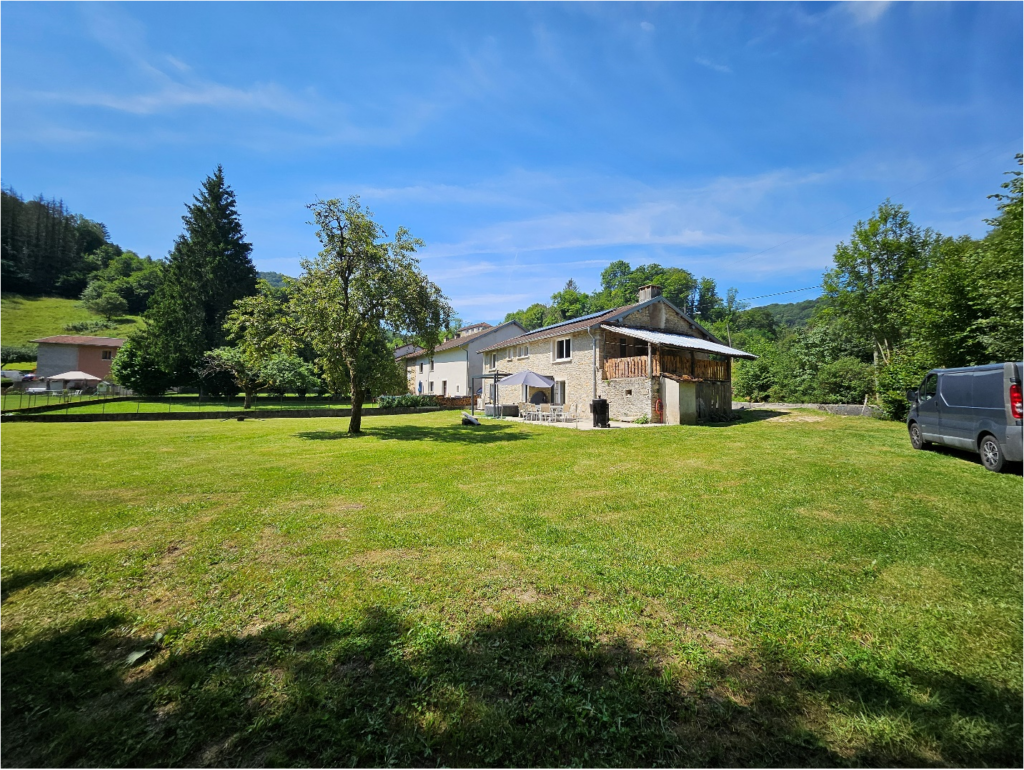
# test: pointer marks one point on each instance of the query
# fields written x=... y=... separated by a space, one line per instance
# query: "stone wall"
x=659 y=315
x=628 y=398
x=577 y=373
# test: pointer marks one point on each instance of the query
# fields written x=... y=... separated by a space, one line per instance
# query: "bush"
x=846 y=381
x=5 y=383
x=404 y=401
x=905 y=371
x=10 y=354
x=87 y=327
x=136 y=367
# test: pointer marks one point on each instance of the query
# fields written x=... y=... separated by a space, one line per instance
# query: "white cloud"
x=646 y=26
x=712 y=65
x=865 y=11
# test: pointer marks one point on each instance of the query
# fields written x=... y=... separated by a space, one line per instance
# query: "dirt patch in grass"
x=384 y=557
x=796 y=418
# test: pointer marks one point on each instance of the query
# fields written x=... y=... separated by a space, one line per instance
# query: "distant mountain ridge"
x=274 y=279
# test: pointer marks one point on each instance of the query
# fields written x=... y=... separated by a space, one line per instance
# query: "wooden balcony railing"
x=618 y=368
x=667 y=363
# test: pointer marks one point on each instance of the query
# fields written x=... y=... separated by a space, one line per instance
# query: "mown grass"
x=23 y=319
x=798 y=590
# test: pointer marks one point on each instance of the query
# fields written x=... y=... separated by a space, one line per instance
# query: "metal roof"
x=77 y=339
x=679 y=341
x=565 y=327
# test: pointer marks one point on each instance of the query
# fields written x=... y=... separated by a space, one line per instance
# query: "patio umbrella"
x=532 y=379
x=74 y=377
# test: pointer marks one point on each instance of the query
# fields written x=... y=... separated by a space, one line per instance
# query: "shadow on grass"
x=530 y=689
x=454 y=434
x=15 y=581
x=744 y=416
x=971 y=457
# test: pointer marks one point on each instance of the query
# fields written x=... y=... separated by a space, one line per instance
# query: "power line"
x=775 y=294
x=868 y=208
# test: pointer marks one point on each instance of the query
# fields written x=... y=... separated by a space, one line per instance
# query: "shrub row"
x=405 y=400
x=10 y=354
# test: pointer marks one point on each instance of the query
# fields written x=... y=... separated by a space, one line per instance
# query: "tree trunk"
x=248 y=399
x=356 y=420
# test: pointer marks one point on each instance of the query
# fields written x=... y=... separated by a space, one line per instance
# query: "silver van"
x=975 y=407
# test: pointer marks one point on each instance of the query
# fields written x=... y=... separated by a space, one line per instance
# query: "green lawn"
x=23 y=319
x=801 y=590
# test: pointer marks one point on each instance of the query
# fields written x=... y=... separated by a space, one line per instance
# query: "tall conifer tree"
x=208 y=269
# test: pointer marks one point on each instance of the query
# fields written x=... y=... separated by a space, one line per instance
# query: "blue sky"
x=524 y=143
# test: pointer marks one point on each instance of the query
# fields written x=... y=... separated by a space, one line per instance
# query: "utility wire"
x=775 y=294
x=868 y=208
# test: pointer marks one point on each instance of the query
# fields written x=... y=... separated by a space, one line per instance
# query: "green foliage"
x=999 y=277
x=642 y=420
x=209 y=268
x=12 y=353
x=5 y=383
x=903 y=372
x=236 y=363
x=869 y=282
x=570 y=301
x=44 y=248
x=846 y=380
x=277 y=280
x=284 y=373
x=405 y=400
x=941 y=311
x=531 y=318
x=88 y=327
x=358 y=293
x=794 y=314
x=620 y=284
x=109 y=305
x=136 y=368
x=126 y=275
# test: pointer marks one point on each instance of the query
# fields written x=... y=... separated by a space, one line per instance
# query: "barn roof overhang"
x=679 y=341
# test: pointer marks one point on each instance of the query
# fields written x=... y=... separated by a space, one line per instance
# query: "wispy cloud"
x=646 y=26
x=713 y=66
x=865 y=11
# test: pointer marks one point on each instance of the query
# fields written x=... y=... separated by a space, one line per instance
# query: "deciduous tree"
x=360 y=289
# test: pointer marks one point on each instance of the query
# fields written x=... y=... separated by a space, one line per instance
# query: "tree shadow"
x=530 y=689
x=745 y=416
x=15 y=581
x=454 y=434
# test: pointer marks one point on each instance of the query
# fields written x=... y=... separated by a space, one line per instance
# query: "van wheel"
x=916 y=439
x=991 y=453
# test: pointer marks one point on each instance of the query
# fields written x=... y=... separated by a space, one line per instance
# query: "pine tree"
x=208 y=269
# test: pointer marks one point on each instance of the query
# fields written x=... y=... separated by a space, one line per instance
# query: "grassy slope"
x=27 y=318
x=798 y=591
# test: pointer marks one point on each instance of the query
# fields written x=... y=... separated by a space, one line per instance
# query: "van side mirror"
x=911 y=395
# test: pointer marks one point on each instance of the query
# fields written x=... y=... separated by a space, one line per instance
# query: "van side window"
x=929 y=387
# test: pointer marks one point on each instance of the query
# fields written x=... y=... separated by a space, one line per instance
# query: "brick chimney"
x=650 y=291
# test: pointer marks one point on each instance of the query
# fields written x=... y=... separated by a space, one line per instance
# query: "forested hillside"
x=48 y=251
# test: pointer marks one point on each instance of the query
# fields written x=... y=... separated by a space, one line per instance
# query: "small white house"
x=449 y=371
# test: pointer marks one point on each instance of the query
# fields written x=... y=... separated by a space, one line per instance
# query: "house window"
x=430 y=387
x=494 y=360
x=559 y=392
x=431 y=364
x=457 y=388
x=107 y=355
x=563 y=349
x=444 y=387
x=421 y=367
x=508 y=354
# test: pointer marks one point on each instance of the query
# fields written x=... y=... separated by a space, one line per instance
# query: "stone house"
x=72 y=352
x=649 y=360
x=449 y=371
